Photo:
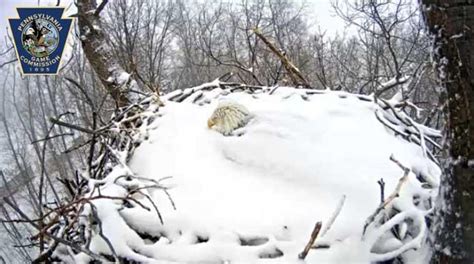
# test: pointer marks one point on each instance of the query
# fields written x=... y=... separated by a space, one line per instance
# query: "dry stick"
x=157 y=182
x=169 y=198
x=101 y=232
x=76 y=247
x=408 y=137
x=58 y=239
x=45 y=255
x=40 y=189
x=6 y=51
x=70 y=207
x=7 y=62
x=83 y=91
x=334 y=216
x=329 y=224
x=392 y=158
x=92 y=145
x=400 y=182
x=44 y=231
x=7 y=186
x=52 y=137
x=13 y=231
x=157 y=186
x=225 y=76
x=382 y=189
x=291 y=69
x=394 y=111
x=135 y=70
x=153 y=204
x=409 y=123
x=392 y=196
x=72 y=126
x=42 y=178
x=100 y=7
x=20 y=212
x=313 y=237
x=76 y=147
x=397 y=189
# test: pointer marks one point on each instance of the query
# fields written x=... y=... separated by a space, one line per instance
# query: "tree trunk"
x=94 y=42
x=451 y=24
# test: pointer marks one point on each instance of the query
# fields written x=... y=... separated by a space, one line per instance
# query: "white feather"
x=228 y=116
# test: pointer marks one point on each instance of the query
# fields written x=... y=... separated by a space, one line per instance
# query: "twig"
x=76 y=147
x=333 y=216
x=73 y=246
x=398 y=81
x=321 y=245
x=293 y=72
x=410 y=137
x=93 y=141
x=101 y=233
x=20 y=212
x=43 y=257
x=382 y=189
x=153 y=204
x=313 y=237
x=6 y=51
x=71 y=126
x=225 y=76
x=394 y=194
x=100 y=7
x=404 y=168
x=402 y=180
x=169 y=198
x=83 y=91
x=157 y=182
x=51 y=137
x=7 y=62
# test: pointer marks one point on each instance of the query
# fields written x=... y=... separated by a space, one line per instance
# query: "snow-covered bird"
x=228 y=116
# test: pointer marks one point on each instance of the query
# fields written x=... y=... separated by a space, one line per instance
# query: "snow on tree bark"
x=94 y=42
x=451 y=25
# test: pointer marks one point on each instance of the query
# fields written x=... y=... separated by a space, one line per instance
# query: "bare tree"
x=389 y=34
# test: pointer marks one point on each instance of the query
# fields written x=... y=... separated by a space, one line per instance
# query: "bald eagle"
x=35 y=38
x=228 y=116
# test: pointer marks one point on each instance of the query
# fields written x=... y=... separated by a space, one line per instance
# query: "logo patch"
x=40 y=35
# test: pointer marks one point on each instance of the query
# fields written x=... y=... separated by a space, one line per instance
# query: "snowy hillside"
x=255 y=196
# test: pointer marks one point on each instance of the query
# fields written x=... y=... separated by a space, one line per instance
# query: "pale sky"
x=319 y=11
x=325 y=16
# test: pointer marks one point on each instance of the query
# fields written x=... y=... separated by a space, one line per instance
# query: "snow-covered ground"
x=255 y=196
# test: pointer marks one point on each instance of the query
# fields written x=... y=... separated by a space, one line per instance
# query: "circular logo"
x=40 y=38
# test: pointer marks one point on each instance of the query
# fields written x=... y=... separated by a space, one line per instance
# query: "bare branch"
x=310 y=243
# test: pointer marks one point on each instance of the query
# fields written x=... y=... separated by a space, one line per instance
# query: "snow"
x=254 y=196
x=289 y=169
x=123 y=77
x=470 y=163
x=394 y=81
x=456 y=36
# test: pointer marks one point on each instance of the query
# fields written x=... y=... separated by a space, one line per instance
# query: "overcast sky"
x=319 y=10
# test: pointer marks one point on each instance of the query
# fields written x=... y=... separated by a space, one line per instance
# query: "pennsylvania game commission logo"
x=40 y=34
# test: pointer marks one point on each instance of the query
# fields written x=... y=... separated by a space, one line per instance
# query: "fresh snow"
x=255 y=196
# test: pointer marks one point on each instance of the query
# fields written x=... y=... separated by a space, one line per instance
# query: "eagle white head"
x=228 y=116
x=30 y=31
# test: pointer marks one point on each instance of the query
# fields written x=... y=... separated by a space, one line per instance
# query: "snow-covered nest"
x=255 y=196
